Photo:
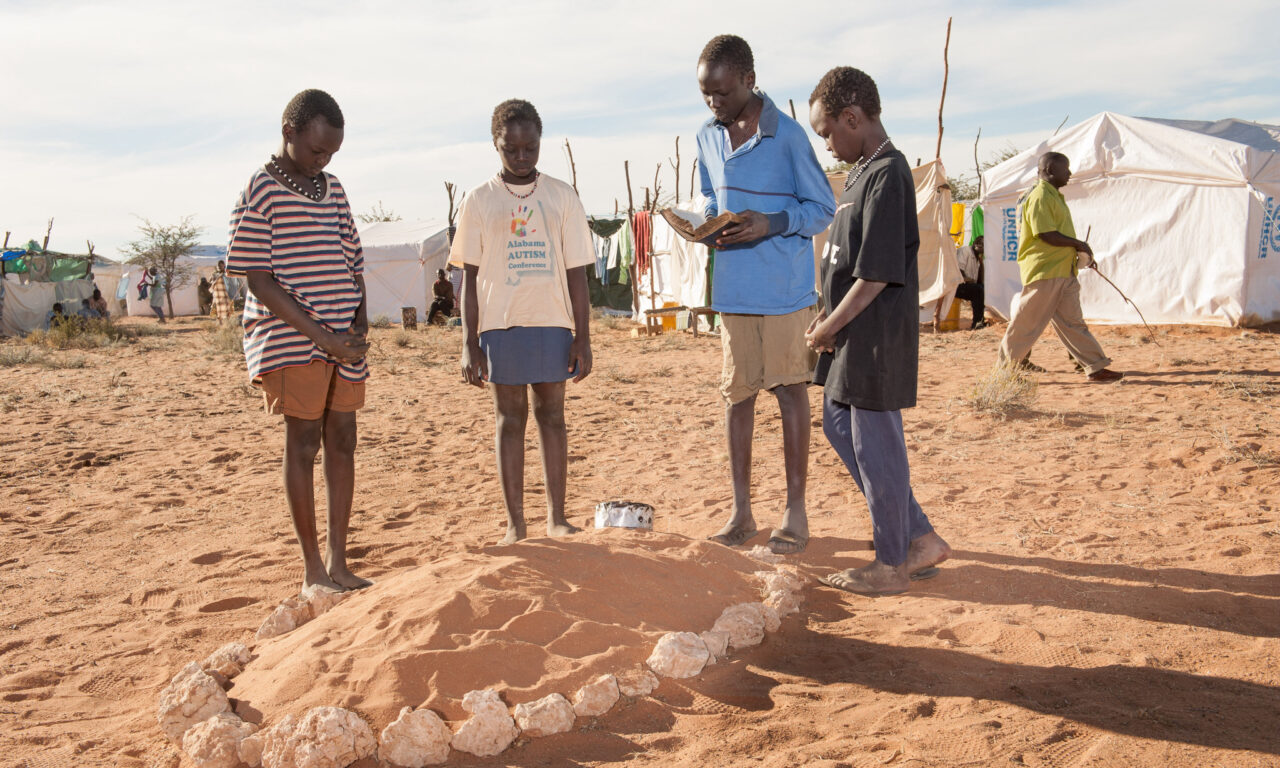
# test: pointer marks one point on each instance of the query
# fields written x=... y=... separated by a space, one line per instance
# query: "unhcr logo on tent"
x=1269 y=242
x=1009 y=233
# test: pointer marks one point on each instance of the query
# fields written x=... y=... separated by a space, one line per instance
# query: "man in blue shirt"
x=758 y=162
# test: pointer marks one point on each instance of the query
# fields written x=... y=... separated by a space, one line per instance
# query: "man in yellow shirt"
x=1047 y=255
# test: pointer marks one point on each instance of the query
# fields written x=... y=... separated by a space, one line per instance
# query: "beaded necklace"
x=852 y=176
x=536 y=176
x=319 y=193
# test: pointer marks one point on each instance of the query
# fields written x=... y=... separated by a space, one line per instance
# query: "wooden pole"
x=451 y=189
x=572 y=167
x=792 y=104
x=946 y=72
x=976 y=165
x=6 y=239
x=47 y=232
x=693 y=173
x=676 y=167
x=1064 y=122
x=631 y=218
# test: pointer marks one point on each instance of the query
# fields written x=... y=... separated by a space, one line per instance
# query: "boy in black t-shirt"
x=869 y=332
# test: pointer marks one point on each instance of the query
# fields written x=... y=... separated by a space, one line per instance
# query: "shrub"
x=1004 y=389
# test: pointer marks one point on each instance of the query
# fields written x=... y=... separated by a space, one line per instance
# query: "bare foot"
x=348 y=580
x=735 y=534
x=515 y=532
x=556 y=530
x=872 y=580
x=926 y=551
x=320 y=578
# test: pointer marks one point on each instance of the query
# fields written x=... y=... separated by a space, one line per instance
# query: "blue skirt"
x=527 y=355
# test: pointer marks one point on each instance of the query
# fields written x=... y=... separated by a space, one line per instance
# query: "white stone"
x=321 y=599
x=416 y=738
x=250 y=750
x=596 y=697
x=717 y=644
x=325 y=737
x=215 y=743
x=191 y=697
x=490 y=728
x=743 y=623
x=290 y=614
x=769 y=616
x=779 y=580
x=636 y=682
x=548 y=715
x=228 y=661
x=678 y=654
x=764 y=555
x=782 y=602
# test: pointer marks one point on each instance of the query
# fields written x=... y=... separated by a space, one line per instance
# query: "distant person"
x=869 y=333
x=442 y=289
x=204 y=296
x=54 y=317
x=972 y=270
x=99 y=304
x=758 y=162
x=221 y=298
x=524 y=244
x=87 y=312
x=155 y=293
x=455 y=278
x=306 y=322
x=1047 y=256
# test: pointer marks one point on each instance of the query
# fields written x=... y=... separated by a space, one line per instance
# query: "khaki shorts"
x=307 y=391
x=763 y=352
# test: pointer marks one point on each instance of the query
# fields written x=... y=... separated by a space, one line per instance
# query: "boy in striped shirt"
x=305 y=323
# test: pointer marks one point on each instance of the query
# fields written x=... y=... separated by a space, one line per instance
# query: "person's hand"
x=475 y=368
x=1086 y=260
x=755 y=227
x=822 y=315
x=344 y=347
x=1083 y=247
x=580 y=358
x=821 y=336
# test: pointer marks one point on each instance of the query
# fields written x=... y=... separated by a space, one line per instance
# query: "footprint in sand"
x=227 y=604
x=209 y=558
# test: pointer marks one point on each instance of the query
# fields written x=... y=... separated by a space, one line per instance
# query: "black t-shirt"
x=875 y=237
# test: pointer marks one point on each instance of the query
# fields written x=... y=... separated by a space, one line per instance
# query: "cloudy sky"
x=115 y=111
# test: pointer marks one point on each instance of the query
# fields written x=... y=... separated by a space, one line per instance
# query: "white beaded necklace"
x=319 y=193
x=536 y=175
x=852 y=176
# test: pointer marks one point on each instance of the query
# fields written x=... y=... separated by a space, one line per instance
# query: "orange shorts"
x=307 y=391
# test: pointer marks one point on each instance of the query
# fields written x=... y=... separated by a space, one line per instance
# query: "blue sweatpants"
x=871 y=445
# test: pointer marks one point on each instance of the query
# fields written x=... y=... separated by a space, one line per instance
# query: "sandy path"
x=1114 y=598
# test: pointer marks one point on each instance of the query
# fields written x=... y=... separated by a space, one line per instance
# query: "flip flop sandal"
x=784 y=538
x=827 y=580
x=735 y=539
x=925 y=573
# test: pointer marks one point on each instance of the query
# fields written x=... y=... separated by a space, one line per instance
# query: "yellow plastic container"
x=952 y=321
x=669 y=321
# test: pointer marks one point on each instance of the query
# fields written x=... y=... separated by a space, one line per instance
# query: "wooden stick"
x=631 y=217
x=47 y=232
x=572 y=167
x=657 y=188
x=6 y=239
x=977 y=167
x=1064 y=122
x=631 y=206
x=676 y=167
x=693 y=172
x=792 y=104
x=451 y=189
x=946 y=73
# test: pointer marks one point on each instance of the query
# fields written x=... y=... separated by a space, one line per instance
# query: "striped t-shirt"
x=313 y=251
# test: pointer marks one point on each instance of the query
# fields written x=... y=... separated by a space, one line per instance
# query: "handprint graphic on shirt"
x=520 y=222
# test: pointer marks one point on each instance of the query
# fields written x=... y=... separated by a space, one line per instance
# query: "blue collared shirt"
x=776 y=173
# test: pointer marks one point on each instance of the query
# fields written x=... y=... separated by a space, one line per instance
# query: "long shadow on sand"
x=1168 y=596
x=1143 y=702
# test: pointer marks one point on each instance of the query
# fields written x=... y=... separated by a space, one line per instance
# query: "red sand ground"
x=1113 y=599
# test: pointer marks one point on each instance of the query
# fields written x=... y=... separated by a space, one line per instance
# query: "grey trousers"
x=1053 y=301
x=872 y=447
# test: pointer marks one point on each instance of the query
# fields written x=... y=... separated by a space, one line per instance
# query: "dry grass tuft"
x=227 y=338
x=1246 y=386
x=81 y=333
x=1003 y=391
x=1250 y=452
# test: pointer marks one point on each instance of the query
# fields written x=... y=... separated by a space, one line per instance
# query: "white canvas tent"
x=400 y=263
x=186 y=301
x=1183 y=213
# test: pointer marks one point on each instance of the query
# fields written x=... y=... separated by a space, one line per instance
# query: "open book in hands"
x=693 y=227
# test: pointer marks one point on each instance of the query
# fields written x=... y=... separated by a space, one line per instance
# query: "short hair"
x=1049 y=158
x=514 y=111
x=310 y=104
x=731 y=51
x=845 y=87
x=57 y=307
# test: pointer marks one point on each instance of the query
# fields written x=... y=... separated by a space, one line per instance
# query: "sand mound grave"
x=529 y=620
